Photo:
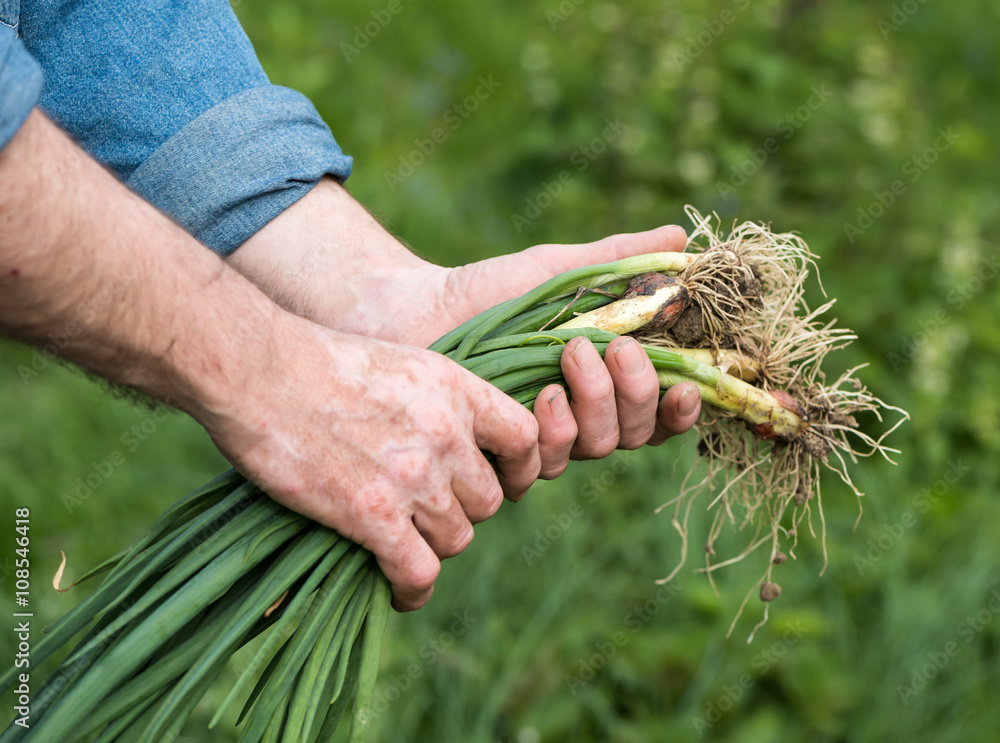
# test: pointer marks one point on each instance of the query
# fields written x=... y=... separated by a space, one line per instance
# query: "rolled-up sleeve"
x=240 y=164
x=169 y=95
x=20 y=83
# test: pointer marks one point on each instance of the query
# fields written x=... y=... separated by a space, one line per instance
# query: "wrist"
x=224 y=347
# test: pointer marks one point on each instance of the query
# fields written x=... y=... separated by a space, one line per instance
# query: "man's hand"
x=327 y=259
x=383 y=443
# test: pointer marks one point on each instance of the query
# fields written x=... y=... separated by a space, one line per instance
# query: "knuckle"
x=440 y=424
x=555 y=459
x=666 y=421
x=649 y=397
x=597 y=389
x=637 y=435
x=524 y=433
x=641 y=392
x=459 y=540
x=434 y=421
x=403 y=603
x=376 y=506
x=486 y=505
x=410 y=467
x=421 y=577
x=559 y=436
x=599 y=446
x=436 y=503
x=528 y=430
x=381 y=529
x=551 y=472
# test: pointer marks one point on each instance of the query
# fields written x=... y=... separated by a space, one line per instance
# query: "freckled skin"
x=401 y=470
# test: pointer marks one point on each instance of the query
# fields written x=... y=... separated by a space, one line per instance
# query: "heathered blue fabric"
x=170 y=96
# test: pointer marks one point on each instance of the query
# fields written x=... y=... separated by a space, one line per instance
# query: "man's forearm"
x=327 y=259
x=71 y=232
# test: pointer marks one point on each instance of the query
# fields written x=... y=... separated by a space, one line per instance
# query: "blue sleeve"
x=169 y=94
x=20 y=77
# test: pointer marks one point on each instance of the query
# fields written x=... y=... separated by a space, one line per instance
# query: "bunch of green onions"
x=227 y=565
x=222 y=566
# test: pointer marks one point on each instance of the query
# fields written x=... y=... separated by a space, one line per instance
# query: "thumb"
x=478 y=286
x=559 y=258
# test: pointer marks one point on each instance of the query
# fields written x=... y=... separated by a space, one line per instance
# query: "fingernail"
x=558 y=404
x=586 y=357
x=688 y=401
x=630 y=357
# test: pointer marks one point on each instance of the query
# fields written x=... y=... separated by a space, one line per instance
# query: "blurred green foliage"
x=869 y=128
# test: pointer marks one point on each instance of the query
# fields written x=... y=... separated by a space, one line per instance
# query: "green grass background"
x=701 y=86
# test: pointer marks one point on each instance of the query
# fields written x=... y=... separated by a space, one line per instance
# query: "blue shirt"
x=169 y=95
